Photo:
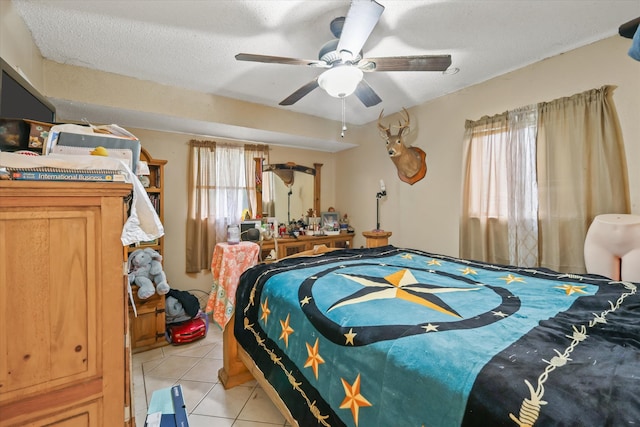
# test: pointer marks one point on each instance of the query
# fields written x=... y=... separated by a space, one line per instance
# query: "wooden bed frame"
x=238 y=367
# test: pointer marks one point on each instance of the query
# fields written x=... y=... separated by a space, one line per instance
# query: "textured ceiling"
x=191 y=44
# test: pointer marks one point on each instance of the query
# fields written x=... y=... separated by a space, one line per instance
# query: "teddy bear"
x=145 y=270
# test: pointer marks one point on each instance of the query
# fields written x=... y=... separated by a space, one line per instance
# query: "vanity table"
x=292 y=174
x=288 y=246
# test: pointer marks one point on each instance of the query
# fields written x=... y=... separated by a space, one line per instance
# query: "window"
x=221 y=190
x=536 y=177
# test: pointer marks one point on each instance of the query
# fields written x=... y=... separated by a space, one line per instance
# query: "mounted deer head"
x=410 y=161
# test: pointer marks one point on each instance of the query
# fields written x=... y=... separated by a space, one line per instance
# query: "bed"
x=400 y=337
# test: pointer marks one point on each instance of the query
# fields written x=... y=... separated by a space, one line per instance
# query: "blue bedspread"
x=398 y=337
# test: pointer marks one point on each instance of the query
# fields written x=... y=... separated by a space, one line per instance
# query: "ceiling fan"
x=342 y=58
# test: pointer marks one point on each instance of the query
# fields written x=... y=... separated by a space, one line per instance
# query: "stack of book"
x=57 y=174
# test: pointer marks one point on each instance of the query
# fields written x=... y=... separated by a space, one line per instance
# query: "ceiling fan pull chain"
x=344 y=124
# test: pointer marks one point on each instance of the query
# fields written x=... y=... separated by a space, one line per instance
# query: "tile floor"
x=195 y=367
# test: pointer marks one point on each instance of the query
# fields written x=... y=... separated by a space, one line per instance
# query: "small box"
x=38 y=134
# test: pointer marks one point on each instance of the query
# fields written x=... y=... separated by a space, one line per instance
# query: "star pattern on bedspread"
x=314 y=360
x=353 y=400
x=399 y=285
x=468 y=270
x=286 y=330
x=350 y=336
x=434 y=262
x=430 y=328
x=265 y=310
x=510 y=278
x=571 y=289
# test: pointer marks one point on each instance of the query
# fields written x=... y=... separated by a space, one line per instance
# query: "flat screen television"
x=20 y=100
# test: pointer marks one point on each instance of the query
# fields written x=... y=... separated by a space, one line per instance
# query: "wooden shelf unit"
x=148 y=327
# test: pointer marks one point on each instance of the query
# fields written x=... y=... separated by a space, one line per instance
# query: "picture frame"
x=272 y=225
x=330 y=220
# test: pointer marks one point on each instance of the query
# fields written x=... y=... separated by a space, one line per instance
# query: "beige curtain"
x=252 y=152
x=483 y=223
x=201 y=234
x=582 y=172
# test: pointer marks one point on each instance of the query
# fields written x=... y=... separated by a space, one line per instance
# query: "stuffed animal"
x=145 y=270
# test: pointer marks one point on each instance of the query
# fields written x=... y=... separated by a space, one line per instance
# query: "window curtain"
x=522 y=187
x=570 y=161
x=252 y=152
x=499 y=219
x=229 y=189
x=268 y=195
x=201 y=231
x=221 y=185
x=582 y=173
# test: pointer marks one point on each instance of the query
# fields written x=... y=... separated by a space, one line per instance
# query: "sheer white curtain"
x=484 y=217
x=499 y=220
x=522 y=186
x=230 y=184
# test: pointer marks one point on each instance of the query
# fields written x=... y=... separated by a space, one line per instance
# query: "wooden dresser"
x=63 y=308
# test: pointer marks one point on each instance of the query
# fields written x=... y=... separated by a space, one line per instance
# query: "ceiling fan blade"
x=366 y=94
x=298 y=94
x=280 y=60
x=362 y=17
x=406 y=63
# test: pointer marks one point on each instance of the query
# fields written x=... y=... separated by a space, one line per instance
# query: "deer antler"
x=383 y=128
x=407 y=121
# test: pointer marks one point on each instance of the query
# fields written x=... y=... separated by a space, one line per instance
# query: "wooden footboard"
x=233 y=371
x=238 y=368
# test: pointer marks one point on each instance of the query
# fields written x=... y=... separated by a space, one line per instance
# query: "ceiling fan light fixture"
x=340 y=81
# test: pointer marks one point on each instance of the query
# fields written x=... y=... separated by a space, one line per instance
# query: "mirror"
x=296 y=189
